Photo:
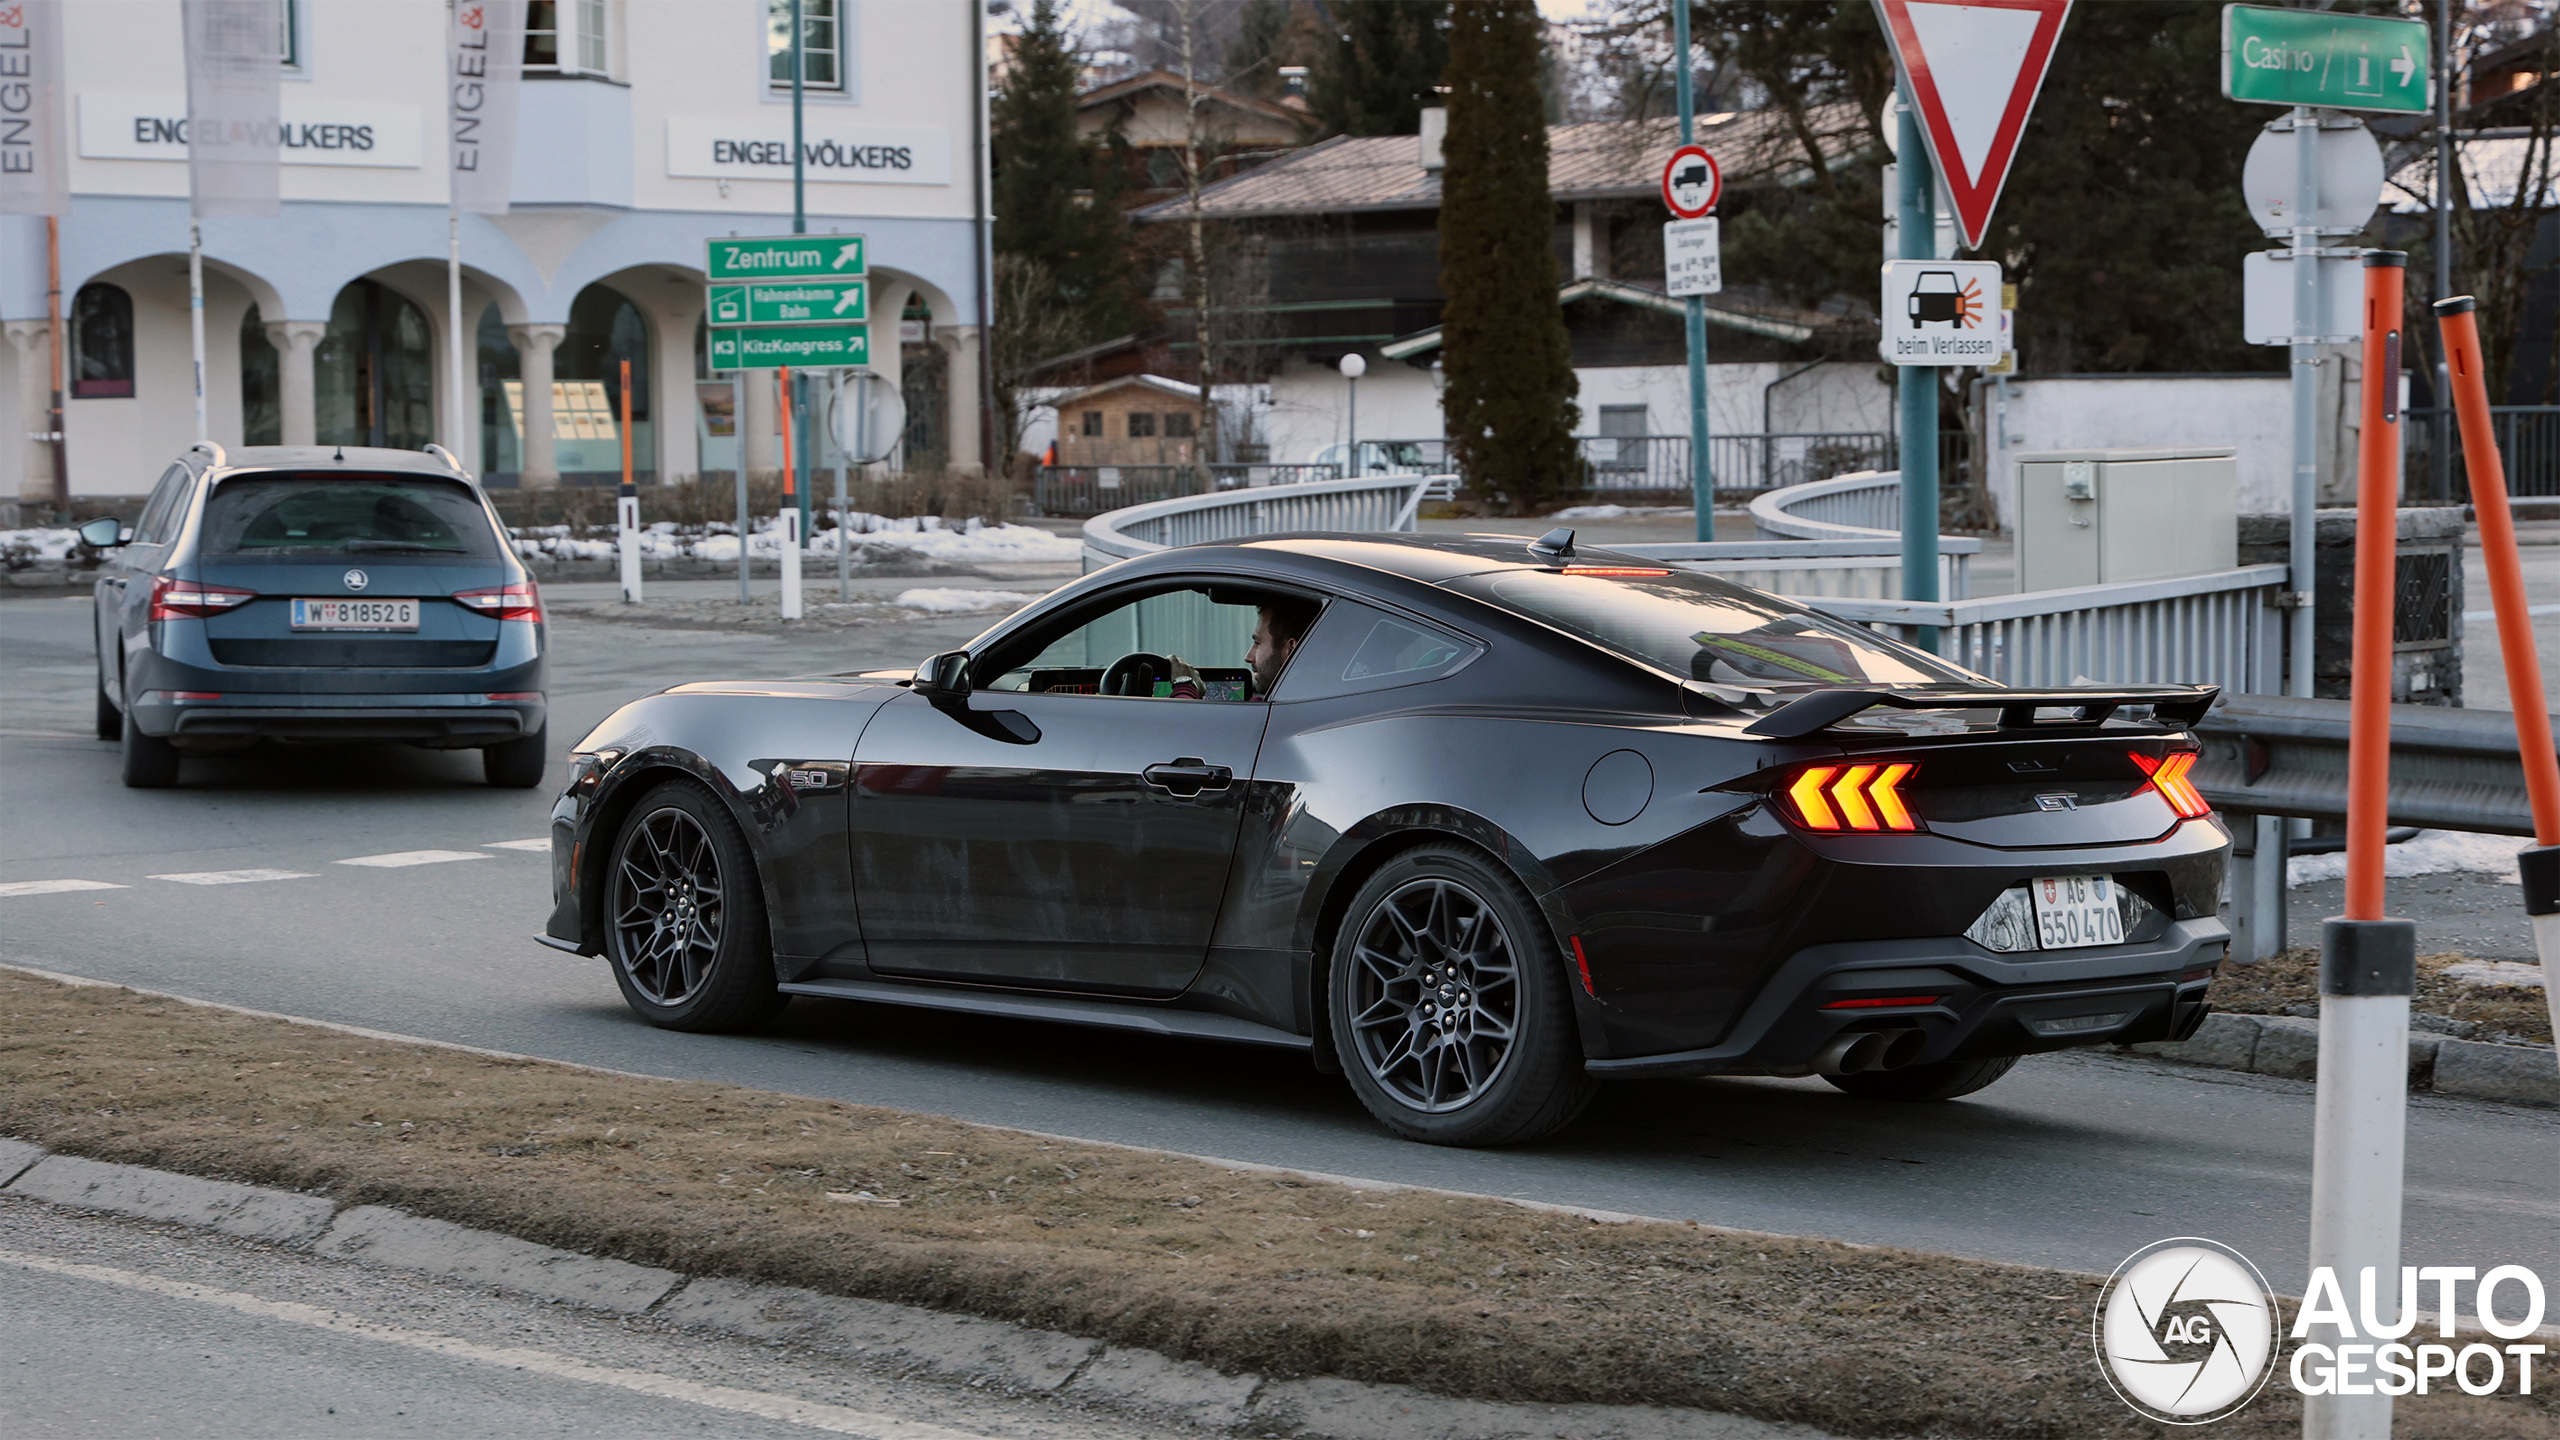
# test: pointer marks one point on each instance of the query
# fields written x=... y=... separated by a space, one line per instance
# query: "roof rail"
x=212 y=450
x=446 y=456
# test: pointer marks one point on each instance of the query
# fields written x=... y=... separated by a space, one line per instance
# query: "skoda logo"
x=357 y=579
x=2186 y=1331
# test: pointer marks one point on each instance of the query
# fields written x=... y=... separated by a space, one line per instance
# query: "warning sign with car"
x=1942 y=312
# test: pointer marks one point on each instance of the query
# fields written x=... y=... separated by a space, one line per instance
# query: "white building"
x=647 y=127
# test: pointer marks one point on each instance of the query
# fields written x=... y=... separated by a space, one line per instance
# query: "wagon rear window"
x=1710 y=629
x=346 y=515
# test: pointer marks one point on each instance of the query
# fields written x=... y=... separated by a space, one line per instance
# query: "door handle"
x=1188 y=776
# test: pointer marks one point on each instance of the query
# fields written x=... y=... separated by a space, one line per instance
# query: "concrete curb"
x=2289 y=1046
x=907 y=1339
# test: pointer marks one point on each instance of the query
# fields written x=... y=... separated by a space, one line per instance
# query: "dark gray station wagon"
x=317 y=595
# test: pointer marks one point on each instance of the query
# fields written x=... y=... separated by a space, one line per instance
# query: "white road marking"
x=834 y=1419
x=399 y=858
x=51 y=887
x=235 y=877
x=50 y=735
x=542 y=844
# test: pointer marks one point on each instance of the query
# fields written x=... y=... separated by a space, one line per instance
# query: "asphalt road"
x=117 y=1328
x=2074 y=1160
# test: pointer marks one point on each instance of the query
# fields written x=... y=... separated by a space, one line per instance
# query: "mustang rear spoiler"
x=2181 y=705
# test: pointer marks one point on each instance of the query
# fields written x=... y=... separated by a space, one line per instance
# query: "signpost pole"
x=799 y=184
x=1702 y=477
x=626 y=504
x=848 y=390
x=1917 y=385
x=790 y=516
x=2306 y=395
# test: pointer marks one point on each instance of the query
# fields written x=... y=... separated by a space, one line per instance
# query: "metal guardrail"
x=2528 y=449
x=1842 y=569
x=1092 y=489
x=1865 y=505
x=2287 y=755
x=1744 y=462
x=2221 y=628
x=1372 y=503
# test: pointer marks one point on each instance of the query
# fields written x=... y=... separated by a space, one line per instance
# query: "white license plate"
x=2075 y=910
x=355 y=614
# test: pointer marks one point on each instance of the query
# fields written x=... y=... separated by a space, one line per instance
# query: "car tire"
x=1945 y=1080
x=150 y=762
x=1439 y=955
x=684 y=919
x=516 y=764
x=110 y=719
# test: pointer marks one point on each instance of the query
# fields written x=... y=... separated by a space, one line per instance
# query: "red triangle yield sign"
x=1974 y=67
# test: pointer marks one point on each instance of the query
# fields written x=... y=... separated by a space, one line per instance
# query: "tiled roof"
x=1599 y=161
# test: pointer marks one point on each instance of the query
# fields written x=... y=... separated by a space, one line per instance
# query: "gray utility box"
x=2092 y=517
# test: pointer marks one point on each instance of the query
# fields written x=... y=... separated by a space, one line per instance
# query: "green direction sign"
x=787 y=257
x=2319 y=57
x=770 y=347
x=790 y=302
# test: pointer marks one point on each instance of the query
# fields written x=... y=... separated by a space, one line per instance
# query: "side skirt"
x=1106 y=1014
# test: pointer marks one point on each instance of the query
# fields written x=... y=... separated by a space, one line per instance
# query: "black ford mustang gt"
x=1508 y=821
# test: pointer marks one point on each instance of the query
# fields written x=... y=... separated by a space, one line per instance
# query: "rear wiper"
x=405 y=545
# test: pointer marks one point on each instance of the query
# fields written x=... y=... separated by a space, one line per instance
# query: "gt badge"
x=357 y=579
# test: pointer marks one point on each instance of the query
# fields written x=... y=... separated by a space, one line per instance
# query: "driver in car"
x=1278 y=627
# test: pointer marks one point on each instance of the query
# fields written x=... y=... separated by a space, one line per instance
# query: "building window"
x=1177 y=425
x=565 y=37
x=1093 y=424
x=101 y=343
x=1142 y=426
x=292 y=20
x=821 y=45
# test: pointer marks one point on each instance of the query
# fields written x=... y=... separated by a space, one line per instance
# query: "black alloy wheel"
x=1448 y=1004
x=684 y=921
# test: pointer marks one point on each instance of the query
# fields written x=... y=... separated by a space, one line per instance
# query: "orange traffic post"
x=626 y=505
x=2368 y=965
x=790 y=518
x=2488 y=477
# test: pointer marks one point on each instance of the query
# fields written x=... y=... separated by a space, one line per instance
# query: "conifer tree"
x=1375 y=73
x=1057 y=198
x=1509 y=398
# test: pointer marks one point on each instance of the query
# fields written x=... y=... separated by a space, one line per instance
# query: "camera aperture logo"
x=2186 y=1331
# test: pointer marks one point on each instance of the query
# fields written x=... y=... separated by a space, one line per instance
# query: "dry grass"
x=2291 y=980
x=1243 y=1270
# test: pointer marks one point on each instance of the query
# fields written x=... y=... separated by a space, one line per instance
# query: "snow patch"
x=2429 y=852
x=924 y=536
x=961 y=602
x=2497 y=972
x=41 y=543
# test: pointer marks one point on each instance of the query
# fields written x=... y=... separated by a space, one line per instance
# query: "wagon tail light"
x=174 y=599
x=2169 y=776
x=505 y=602
x=1852 y=797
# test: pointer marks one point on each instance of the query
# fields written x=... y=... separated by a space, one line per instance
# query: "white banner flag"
x=35 y=172
x=486 y=71
x=235 y=68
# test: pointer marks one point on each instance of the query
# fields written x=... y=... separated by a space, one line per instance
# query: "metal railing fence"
x=1846 y=569
x=2528 y=445
x=2220 y=629
x=1865 y=505
x=1372 y=503
x=1091 y=489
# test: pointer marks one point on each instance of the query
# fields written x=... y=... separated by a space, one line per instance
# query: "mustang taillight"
x=173 y=598
x=1853 y=797
x=2169 y=776
x=504 y=602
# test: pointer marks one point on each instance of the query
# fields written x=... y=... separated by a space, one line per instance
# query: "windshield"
x=346 y=515
x=1708 y=629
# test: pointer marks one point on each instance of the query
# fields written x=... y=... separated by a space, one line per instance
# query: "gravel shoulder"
x=1240 y=1269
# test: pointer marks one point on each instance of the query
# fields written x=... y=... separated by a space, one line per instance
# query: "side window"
x=160 y=511
x=1355 y=648
x=1186 y=643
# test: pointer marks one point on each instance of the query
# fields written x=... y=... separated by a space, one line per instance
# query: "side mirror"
x=946 y=674
x=104 y=533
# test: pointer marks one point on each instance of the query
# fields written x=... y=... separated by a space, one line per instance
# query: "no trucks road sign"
x=1691 y=182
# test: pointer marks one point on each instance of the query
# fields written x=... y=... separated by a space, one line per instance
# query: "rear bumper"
x=1989 y=1004
x=455 y=720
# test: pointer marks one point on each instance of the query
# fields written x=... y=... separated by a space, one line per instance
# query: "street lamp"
x=1353 y=367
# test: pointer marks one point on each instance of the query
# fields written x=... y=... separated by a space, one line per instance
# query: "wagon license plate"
x=355 y=614
x=2073 y=911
